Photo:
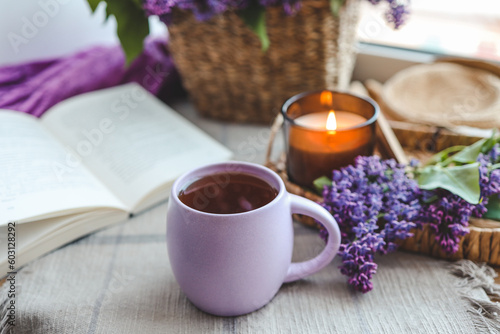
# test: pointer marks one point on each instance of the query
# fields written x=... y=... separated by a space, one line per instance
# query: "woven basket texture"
x=229 y=77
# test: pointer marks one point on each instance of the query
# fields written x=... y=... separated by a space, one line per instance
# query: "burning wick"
x=331 y=121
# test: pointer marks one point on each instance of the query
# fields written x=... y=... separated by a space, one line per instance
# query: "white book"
x=88 y=162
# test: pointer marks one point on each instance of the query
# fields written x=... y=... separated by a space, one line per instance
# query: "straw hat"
x=444 y=94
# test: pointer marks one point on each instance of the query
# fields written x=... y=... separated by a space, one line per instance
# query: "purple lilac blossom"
x=291 y=7
x=449 y=215
x=374 y=203
x=397 y=12
x=161 y=8
x=358 y=264
x=202 y=9
x=206 y=9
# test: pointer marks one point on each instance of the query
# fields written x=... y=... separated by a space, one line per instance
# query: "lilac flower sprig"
x=396 y=14
x=448 y=216
x=374 y=203
x=132 y=23
x=252 y=12
x=378 y=202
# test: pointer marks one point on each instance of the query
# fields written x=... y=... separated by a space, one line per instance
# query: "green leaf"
x=335 y=6
x=138 y=3
x=444 y=154
x=462 y=181
x=132 y=24
x=254 y=17
x=470 y=153
x=495 y=166
x=321 y=182
x=490 y=142
x=493 y=208
x=93 y=4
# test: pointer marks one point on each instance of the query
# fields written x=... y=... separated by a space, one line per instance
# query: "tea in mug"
x=226 y=193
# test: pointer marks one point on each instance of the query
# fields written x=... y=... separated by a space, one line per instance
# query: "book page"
x=130 y=140
x=38 y=177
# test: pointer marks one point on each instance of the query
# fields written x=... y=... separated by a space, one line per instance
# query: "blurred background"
x=435 y=27
x=449 y=27
x=68 y=27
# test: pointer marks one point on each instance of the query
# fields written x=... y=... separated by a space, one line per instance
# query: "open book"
x=90 y=161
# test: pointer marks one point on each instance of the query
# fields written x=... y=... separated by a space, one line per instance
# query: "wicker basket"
x=229 y=77
x=481 y=244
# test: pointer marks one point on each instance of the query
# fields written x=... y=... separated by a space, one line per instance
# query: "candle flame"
x=331 y=121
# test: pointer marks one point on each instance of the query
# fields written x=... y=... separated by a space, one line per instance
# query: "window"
x=466 y=28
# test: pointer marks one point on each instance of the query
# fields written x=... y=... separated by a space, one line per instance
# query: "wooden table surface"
x=497 y=280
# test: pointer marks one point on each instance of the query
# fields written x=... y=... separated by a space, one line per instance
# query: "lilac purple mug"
x=232 y=264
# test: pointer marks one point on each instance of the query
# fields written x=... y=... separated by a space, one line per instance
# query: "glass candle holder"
x=317 y=142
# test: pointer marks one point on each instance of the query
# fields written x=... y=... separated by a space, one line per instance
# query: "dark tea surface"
x=225 y=193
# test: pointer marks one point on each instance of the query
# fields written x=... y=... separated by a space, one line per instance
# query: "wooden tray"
x=481 y=244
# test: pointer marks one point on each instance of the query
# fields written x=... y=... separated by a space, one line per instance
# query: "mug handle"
x=298 y=270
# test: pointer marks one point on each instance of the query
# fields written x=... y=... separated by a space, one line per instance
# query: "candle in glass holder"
x=325 y=131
